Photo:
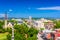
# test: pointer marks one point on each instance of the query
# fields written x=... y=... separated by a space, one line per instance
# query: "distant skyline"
x=34 y=8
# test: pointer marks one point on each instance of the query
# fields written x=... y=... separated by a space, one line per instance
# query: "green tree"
x=22 y=32
x=9 y=37
x=1 y=24
x=57 y=24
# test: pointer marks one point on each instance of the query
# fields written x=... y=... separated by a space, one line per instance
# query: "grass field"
x=3 y=36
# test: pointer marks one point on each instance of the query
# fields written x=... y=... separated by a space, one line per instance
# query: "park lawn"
x=3 y=36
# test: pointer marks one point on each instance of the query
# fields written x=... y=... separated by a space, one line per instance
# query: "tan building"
x=49 y=25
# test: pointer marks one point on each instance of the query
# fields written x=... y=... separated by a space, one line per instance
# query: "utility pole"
x=12 y=32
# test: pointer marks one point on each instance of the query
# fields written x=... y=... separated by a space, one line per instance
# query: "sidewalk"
x=40 y=38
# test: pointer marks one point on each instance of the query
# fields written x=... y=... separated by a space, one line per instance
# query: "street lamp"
x=12 y=29
x=13 y=32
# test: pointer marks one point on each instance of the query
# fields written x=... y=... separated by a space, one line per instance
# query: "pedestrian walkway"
x=39 y=37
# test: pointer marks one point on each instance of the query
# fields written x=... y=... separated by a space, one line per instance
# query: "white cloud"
x=49 y=8
x=10 y=10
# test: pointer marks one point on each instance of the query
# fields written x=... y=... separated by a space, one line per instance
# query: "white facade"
x=30 y=18
x=43 y=20
x=20 y=21
x=38 y=24
x=9 y=25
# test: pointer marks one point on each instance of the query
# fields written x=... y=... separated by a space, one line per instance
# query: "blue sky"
x=34 y=8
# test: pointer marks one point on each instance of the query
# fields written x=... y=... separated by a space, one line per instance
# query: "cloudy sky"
x=34 y=8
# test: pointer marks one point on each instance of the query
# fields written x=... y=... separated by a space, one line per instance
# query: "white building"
x=38 y=24
x=41 y=23
x=9 y=25
x=30 y=18
x=19 y=21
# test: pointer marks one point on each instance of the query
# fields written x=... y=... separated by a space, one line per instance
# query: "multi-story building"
x=43 y=23
x=38 y=24
x=19 y=21
x=49 y=24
